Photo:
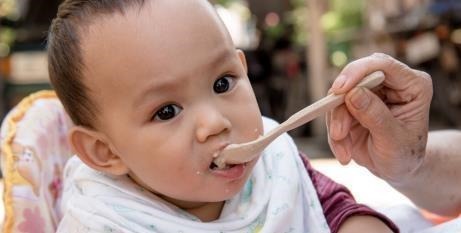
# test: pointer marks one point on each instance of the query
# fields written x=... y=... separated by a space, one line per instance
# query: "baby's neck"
x=205 y=211
x=208 y=211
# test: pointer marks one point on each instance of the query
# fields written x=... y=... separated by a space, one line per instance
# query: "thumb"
x=370 y=111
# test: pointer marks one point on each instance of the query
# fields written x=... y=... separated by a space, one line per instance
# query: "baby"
x=155 y=89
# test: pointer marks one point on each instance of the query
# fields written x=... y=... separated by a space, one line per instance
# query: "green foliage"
x=298 y=18
x=275 y=32
x=343 y=15
x=8 y=10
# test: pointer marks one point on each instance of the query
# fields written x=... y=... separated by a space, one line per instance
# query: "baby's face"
x=172 y=91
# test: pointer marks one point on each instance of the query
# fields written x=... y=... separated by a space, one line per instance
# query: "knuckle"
x=382 y=56
x=398 y=65
x=426 y=77
x=356 y=67
x=425 y=80
x=388 y=62
x=353 y=65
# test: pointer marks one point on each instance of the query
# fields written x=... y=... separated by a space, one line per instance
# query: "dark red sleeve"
x=337 y=202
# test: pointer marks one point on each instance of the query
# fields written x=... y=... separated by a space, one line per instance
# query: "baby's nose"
x=211 y=122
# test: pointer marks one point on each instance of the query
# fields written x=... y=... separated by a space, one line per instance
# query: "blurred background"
x=295 y=49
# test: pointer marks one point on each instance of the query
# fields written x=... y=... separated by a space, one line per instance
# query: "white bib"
x=279 y=197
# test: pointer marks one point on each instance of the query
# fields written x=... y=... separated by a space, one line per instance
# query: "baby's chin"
x=236 y=187
x=218 y=191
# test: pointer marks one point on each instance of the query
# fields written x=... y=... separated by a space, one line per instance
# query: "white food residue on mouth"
x=213 y=166
x=216 y=154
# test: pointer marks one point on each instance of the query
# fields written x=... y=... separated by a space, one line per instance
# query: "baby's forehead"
x=166 y=37
x=164 y=28
x=170 y=12
x=175 y=19
x=164 y=16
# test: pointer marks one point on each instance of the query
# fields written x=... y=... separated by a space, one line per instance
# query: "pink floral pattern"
x=33 y=221
x=40 y=151
x=55 y=187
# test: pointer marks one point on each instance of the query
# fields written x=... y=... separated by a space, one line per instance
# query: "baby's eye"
x=223 y=84
x=167 y=112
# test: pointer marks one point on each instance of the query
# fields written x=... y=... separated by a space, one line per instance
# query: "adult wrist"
x=412 y=174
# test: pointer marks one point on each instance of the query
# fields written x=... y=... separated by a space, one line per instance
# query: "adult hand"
x=385 y=129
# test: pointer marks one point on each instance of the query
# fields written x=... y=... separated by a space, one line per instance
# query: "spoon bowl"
x=245 y=152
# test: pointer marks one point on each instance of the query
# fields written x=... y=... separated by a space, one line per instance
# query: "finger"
x=369 y=110
x=416 y=89
x=340 y=122
x=361 y=154
x=328 y=121
x=341 y=149
x=337 y=146
x=398 y=75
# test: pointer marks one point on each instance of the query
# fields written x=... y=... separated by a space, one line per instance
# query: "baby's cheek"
x=249 y=116
x=257 y=132
x=254 y=129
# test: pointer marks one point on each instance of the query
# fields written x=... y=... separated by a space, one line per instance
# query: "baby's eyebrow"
x=222 y=56
x=219 y=59
x=151 y=89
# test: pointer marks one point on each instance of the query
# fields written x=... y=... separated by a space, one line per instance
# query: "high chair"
x=34 y=150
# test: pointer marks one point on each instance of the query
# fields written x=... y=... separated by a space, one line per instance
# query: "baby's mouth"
x=215 y=167
x=229 y=171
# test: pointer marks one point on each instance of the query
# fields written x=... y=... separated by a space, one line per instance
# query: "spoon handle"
x=244 y=152
x=327 y=103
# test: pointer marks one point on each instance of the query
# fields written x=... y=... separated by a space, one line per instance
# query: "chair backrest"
x=34 y=150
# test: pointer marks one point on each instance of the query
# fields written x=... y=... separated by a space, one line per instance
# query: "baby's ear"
x=94 y=149
x=243 y=59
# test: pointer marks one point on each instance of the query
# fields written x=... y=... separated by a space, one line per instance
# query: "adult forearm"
x=436 y=184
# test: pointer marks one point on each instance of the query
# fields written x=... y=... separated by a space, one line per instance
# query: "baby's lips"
x=217 y=152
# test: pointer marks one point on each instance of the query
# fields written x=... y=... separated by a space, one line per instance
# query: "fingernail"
x=339 y=82
x=360 y=99
x=341 y=151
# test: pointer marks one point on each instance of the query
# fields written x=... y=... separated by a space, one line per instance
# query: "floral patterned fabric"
x=34 y=150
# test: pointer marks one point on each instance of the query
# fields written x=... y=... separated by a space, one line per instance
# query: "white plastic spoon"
x=244 y=152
